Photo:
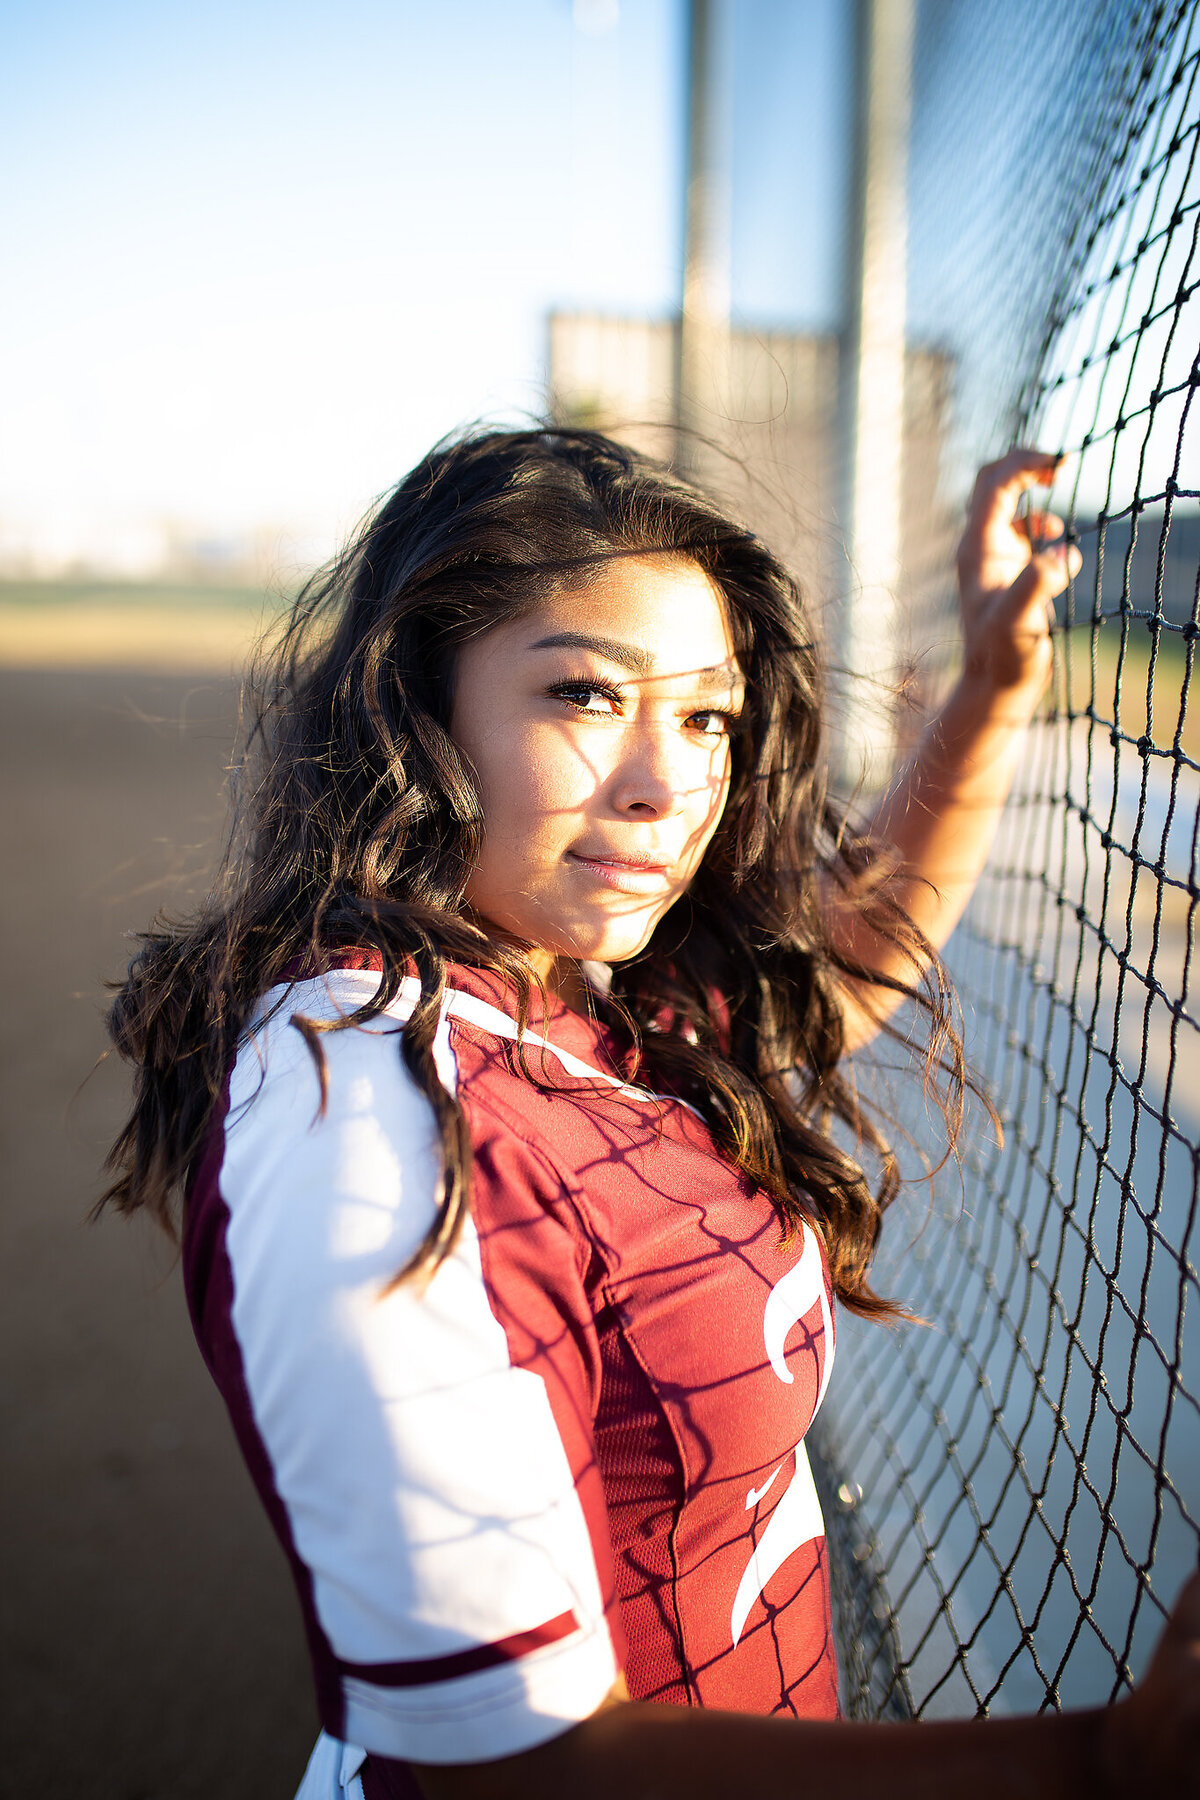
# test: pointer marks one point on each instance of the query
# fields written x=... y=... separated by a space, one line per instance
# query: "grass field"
x=1086 y=673
x=182 y=629
x=154 y=626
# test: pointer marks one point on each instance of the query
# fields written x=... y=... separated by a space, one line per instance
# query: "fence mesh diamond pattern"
x=1026 y=1467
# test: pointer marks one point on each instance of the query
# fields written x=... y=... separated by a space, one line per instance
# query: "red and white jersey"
x=577 y=1449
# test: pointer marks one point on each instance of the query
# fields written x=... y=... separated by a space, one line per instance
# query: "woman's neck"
x=568 y=983
x=561 y=976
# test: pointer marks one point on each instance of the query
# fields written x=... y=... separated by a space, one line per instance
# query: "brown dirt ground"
x=152 y=1647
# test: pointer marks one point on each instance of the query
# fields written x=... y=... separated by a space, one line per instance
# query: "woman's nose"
x=647 y=781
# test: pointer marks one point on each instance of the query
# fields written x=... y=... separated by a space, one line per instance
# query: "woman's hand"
x=1009 y=572
x=941 y=811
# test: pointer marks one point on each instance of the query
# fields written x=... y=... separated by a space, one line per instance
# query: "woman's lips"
x=628 y=877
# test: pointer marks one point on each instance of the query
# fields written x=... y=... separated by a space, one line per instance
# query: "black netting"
x=1013 y=1493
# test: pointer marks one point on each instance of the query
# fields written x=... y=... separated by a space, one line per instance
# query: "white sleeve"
x=426 y=1487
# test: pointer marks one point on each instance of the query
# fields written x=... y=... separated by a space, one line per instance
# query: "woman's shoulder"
x=327 y=1144
x=321 y=1089
x=320 y=1064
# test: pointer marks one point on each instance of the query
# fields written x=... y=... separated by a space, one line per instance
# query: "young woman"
x=505 y=1074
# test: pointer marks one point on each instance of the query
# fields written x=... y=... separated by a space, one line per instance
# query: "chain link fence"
x=1013 y=1490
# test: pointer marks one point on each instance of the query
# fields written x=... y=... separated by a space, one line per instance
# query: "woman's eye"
x=712 y=724
x=589 y=697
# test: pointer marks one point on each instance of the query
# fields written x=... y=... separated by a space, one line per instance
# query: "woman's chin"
x=615 y=944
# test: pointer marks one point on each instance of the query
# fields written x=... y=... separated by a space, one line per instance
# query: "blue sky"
x=260 y=255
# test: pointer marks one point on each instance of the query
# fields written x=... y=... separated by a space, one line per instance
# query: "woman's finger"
x=1044 y=577
x=999 y=486
x=1040 y=528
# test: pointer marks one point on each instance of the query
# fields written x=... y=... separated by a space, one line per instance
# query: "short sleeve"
x=423 y=1448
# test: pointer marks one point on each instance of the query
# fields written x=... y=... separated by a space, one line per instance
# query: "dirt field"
x=152 y=1648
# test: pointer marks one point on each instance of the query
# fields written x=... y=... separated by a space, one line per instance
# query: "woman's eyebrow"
x=716 y=683
x=717 y=679
x=629 y=656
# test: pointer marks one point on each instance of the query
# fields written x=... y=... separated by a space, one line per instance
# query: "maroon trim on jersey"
x=208 y=1283
x=423 y=1670
x=332 y=962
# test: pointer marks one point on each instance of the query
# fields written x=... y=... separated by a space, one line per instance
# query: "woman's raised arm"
x=941 y=811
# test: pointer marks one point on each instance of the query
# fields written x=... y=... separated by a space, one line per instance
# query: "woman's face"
x=598 y=727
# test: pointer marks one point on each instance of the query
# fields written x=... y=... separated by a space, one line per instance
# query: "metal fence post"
x=871 y=385
x=703 y=398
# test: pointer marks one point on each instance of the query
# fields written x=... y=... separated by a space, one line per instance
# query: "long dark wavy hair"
x=356 y=822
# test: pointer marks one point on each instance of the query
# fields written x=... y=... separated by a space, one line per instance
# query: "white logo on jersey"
x=797 y=1517
x=796 y=1520
x=787 y=1303
x=756 y=1494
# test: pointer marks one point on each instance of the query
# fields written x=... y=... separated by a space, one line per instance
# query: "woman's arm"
x=1147 y=1744
x=940 y=813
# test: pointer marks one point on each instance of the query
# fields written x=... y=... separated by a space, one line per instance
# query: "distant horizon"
x=262 y=575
